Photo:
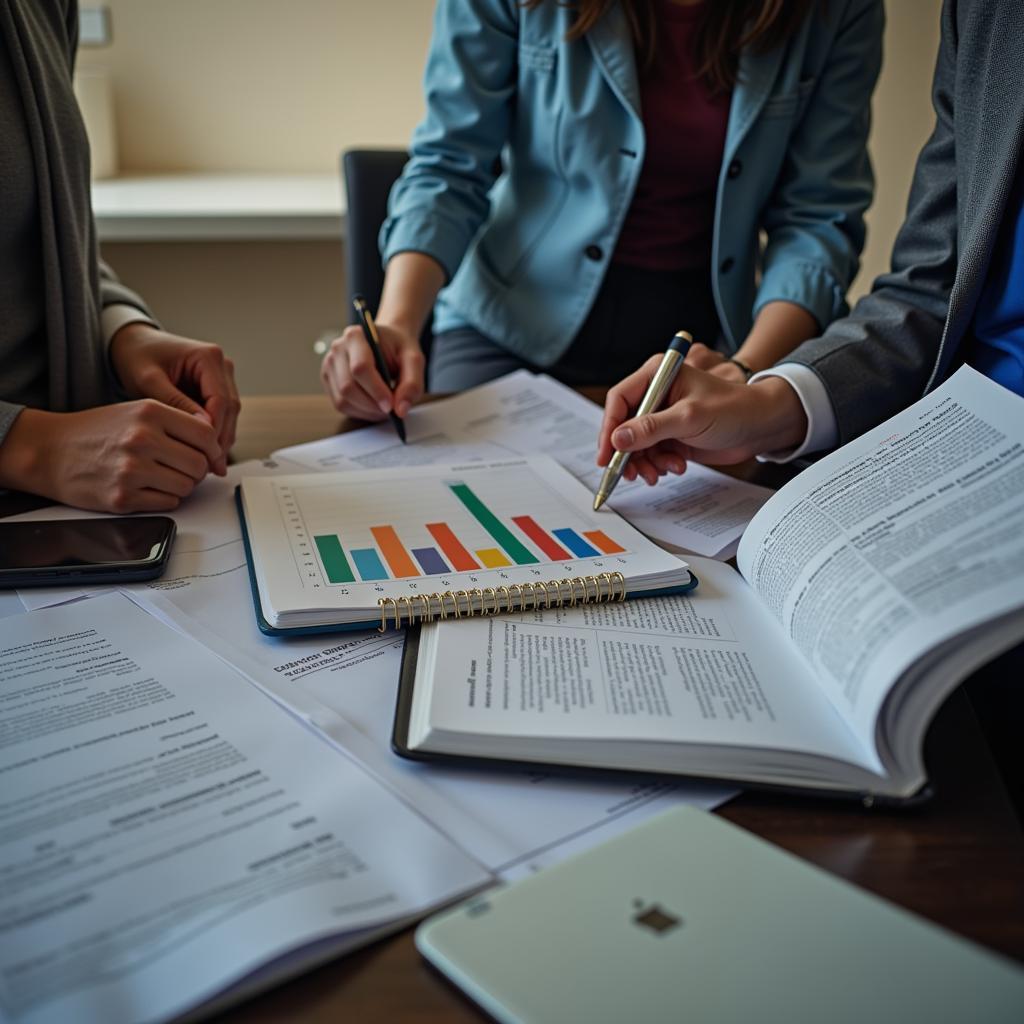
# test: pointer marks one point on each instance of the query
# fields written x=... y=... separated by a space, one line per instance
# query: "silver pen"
x=660 y=383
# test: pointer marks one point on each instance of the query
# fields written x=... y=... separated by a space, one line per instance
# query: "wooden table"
x=958 y=861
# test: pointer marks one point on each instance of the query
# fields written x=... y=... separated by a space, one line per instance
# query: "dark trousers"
x=635 y=315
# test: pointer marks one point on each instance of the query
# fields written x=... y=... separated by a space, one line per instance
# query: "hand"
x=703 y=358
x=138 y=456
x=192 y=376
x=350 y=375
x=706 y=419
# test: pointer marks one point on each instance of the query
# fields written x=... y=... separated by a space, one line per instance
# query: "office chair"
x=368 y=175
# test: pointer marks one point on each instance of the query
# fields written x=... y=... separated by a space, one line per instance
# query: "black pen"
x=373 y=340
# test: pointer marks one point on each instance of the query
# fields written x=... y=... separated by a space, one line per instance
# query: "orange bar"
x=394 y=552
x=459 y=557
x=492 y=558
x=601 y=540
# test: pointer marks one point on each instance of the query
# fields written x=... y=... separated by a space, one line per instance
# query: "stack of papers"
x=184 y=798
x=703 y=511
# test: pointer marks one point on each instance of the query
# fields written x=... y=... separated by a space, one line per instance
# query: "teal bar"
x=335 y=563
x=515 y=550
x=369 y=564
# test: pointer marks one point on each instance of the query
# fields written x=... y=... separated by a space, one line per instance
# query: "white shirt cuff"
x=822 y=428
x=119 y=315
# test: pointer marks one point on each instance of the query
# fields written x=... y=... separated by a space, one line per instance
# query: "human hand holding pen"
x=411 y=283
x=351 y=379
x=704 y=419
x=373 y=340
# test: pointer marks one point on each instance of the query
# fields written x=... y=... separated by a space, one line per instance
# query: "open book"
x=869 y=586
x=397 y=545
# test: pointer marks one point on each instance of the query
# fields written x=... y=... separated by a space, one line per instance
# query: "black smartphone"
x=59 y=552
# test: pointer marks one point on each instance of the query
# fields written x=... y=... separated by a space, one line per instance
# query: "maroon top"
x=670 y=223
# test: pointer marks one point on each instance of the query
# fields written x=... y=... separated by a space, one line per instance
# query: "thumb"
x=161 y=387
x=410 y=378
x=648 y=430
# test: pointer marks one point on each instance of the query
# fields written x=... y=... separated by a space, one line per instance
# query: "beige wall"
x=265 y=85
x=262 y=85
x=902 y=119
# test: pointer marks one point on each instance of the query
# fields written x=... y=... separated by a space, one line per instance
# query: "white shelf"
x=218 y=207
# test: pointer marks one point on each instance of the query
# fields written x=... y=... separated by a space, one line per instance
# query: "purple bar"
x=430 y=561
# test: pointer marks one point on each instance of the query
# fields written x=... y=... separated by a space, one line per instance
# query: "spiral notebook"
x=390 y=547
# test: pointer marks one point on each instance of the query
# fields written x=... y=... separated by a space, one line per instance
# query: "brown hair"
x=726 y=27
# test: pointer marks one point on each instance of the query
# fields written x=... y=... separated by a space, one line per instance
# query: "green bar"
x=490 y=522
x=335 y=562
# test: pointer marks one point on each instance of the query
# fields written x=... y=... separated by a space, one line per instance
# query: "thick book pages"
x=390 y=547
x=871 y=585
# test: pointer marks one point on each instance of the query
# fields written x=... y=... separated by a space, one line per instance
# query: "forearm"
x=411 y=284
x=779 y=328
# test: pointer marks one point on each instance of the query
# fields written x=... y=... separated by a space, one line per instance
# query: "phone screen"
x=55 y=544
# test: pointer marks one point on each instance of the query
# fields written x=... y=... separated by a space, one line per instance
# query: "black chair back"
x=368 y=175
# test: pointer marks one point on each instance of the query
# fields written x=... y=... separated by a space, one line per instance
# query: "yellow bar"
x=492 y=558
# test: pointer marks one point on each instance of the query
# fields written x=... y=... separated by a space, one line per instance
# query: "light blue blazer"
x=526 y=250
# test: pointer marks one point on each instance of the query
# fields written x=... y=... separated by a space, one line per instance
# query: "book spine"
x=396 y=612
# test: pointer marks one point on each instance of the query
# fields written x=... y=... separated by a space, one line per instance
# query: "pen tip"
x=598 y=502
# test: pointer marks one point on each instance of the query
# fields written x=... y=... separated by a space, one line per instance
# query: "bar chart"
x=374 y=530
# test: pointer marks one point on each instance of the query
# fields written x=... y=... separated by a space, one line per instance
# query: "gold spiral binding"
x=516 y=597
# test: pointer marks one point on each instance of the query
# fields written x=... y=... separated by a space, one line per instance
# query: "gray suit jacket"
x=37 y=43
x=905 y=336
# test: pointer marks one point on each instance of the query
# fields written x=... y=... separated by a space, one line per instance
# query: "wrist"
x=780 y=416
x=23 y=452
x=123 y=345
x=401 y=323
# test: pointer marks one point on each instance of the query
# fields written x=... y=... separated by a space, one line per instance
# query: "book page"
x=165 y=829
x=707 y=668
x=703 y=511
x=346 y=686
x=902 y=538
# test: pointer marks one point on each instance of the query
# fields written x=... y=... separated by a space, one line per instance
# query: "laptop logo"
x=655 y=917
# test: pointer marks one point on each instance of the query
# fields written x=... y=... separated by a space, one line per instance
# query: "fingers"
x=646 y=431
x=362 y=369
x=351 y=379
x=155 y=383
x=179 y=368
x=190 y=430
x=216 y=385
x=621 y=401
x=703 y=358
x=169 y=481
x=409 y=388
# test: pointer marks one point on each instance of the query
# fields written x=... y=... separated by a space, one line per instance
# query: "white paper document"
x=346 y=685
x=165 y=829
x=703 y=511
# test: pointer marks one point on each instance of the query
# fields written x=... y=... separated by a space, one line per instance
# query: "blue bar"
x=369 y=564
x=430 y=561
x=573 y=541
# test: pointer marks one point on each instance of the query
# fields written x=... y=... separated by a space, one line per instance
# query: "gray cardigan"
x=905 y=337
x=52 y=351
